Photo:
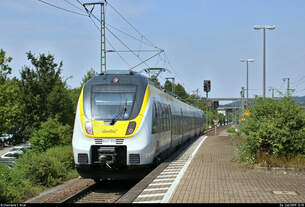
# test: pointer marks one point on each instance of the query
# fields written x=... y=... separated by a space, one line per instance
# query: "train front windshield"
x=109 y=102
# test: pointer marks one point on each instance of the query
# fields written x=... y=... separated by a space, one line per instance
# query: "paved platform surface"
x=206 y=173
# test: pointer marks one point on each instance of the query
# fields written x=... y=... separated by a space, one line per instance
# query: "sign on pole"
x=247 y=112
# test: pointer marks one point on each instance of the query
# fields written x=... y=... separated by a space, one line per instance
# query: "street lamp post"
x=270 y=27
x=247 y=89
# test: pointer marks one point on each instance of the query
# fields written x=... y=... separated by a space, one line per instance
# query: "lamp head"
x=271 y=27
x=257 y=27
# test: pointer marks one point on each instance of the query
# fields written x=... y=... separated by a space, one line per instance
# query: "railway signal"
x=215 y=104
x=207 y=86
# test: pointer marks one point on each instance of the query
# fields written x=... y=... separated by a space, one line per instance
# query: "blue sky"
x=203 y=39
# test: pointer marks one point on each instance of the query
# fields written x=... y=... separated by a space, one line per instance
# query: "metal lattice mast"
x=103 y=39
x=103 y=31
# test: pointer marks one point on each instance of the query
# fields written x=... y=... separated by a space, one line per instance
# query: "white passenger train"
x=124 y=124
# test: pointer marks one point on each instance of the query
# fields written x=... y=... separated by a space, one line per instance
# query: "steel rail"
x=79 y=194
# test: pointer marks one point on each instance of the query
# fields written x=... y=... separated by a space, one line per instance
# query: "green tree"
x=50 y=134
x=90 y=74
x=168 y=86
x=10 y=103
x=5 y=69
x=180 y=91
x=74 y=96
x=221 y=118
x=11 y=116
x=44 y=93
x=155 y=80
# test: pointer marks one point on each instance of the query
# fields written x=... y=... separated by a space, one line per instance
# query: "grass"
x=234 y=132
x=265 y=160
x=231 y=130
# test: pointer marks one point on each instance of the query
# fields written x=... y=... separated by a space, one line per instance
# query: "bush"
x=273 y=127
x=13 y=187
x=48 y=168
x=34 y=171
x=51 y=133
x=231 y=130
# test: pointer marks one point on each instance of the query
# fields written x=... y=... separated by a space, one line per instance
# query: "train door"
x=181 y=126
x=170 y=127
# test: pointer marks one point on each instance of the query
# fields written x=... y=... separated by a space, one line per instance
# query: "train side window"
x=174 y=124
x=163 y=119
x=167 y=117
x=159 y=117
x=154 y=119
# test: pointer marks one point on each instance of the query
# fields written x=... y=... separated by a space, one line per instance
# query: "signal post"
x=207 y=89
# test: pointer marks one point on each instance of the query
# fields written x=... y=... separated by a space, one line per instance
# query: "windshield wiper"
x=120 y=113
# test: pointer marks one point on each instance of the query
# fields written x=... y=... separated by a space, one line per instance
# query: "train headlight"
x=88 y=127
x=131 y=127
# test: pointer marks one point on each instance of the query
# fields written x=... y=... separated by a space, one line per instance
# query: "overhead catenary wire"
x=99 y=29
x=146 y=60
x=115 y=36
x=125 y=33
x=142 y=36
x=123 y=59
x=167 y=61
x=126 y=47
x=130 y=24
x=298 y=82
x=67 y=10
x=120 y=56
x=68 y=2
x=147 y=42
x=80 y=2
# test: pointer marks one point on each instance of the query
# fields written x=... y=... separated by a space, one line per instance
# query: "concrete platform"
x=206 y=173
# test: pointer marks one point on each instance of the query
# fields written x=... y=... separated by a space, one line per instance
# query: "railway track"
x=102 y=192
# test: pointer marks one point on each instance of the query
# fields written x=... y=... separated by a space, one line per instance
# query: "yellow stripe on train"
x=100 y=130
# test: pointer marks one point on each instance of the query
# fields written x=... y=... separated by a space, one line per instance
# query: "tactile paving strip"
x=163 y=186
